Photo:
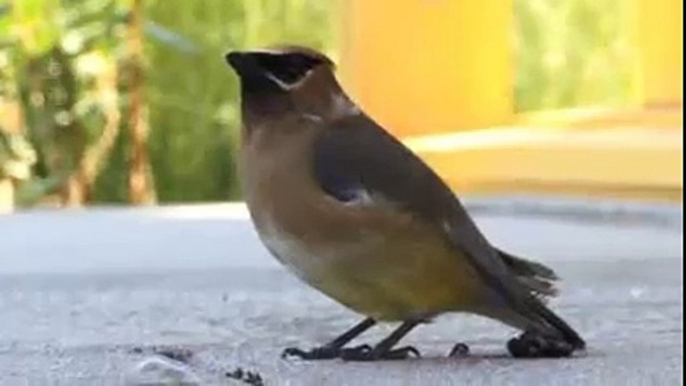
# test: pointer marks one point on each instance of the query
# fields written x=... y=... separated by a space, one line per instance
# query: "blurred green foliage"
x=572 y=53
x=16 y=157
x=568 y=53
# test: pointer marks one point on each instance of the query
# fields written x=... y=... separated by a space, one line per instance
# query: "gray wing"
x=356 y=154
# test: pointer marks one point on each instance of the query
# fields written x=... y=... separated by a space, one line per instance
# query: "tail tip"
x=533 y=345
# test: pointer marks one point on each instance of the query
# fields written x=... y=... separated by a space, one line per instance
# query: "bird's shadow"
x=501 y=357
x=467 y=360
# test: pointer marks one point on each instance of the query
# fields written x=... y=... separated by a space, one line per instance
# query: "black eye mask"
x=288 y=68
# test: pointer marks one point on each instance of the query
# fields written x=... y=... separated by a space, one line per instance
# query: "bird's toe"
x=459 y=350
x=376 y=355
x=316 y=353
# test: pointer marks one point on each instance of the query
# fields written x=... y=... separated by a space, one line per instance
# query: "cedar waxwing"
x=355 y=214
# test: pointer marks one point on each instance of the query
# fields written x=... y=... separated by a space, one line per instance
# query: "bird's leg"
x=533 y=345
x=384 y=349
x=333 y=349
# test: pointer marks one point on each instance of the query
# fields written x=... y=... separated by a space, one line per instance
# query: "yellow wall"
x=661 y=59
x=423 y=66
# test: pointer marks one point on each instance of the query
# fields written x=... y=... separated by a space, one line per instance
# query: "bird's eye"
x=289 y=69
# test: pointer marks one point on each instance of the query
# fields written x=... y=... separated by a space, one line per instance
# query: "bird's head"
x=286 y=79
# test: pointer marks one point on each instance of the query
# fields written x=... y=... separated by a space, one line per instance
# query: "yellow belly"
x=408 y=273
x=381 y=264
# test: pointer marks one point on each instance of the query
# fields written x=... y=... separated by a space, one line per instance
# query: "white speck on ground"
x=160 y=370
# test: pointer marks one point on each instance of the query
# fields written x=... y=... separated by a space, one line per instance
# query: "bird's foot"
x=370 y=354
x=324 y=352
x=532 y=345
x=459 y=350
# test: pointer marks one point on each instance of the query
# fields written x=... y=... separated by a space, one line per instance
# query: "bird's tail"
x=539 y=280
x=536 y=277
x=567 y=332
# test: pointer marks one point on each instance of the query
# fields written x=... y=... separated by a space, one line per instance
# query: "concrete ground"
x=107 y=296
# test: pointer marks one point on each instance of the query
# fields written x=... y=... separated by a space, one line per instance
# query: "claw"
x=325 y=352
x=404 y=353
x=459 y=350
x=314 y=354
x=371 y=355
x=291 y=352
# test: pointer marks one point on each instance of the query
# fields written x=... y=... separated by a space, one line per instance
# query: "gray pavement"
x=96 y=297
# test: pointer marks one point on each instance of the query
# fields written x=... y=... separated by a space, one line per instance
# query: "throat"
x=258 y=107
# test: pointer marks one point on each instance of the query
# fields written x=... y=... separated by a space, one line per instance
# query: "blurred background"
x=129 y=101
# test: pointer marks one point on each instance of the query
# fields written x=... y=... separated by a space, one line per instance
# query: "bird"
x=351 y=211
